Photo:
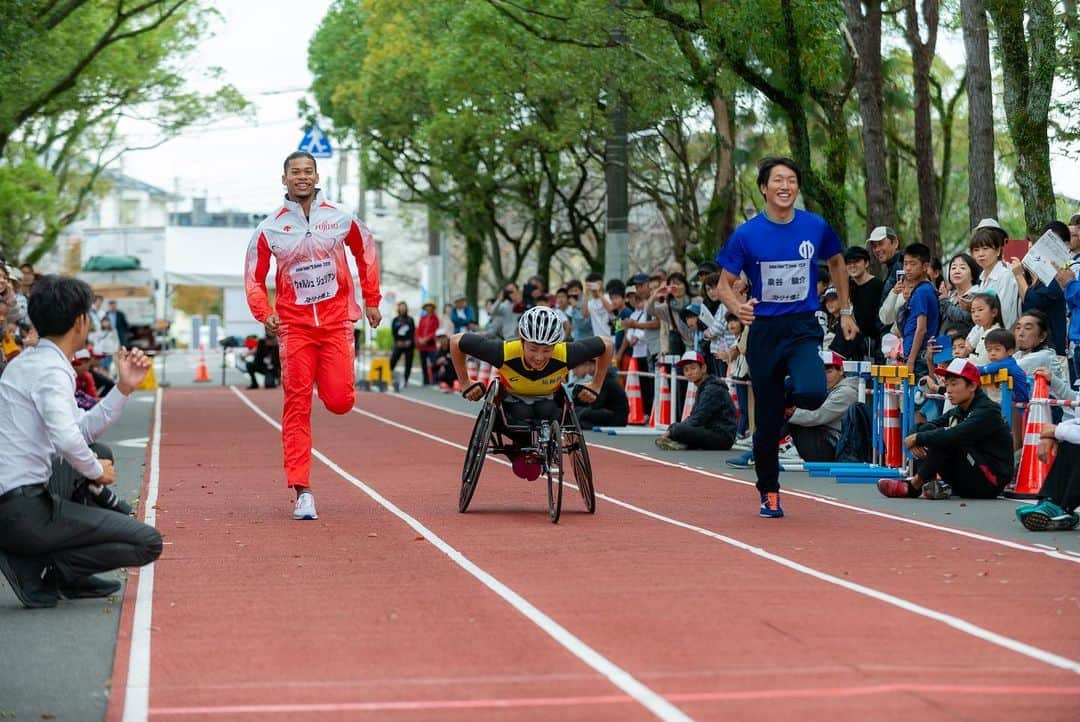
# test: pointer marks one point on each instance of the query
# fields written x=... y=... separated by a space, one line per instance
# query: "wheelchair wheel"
x=474 y=455
x=553 y=462
x=579 y=462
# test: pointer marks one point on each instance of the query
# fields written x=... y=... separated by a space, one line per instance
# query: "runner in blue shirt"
x=778 y=250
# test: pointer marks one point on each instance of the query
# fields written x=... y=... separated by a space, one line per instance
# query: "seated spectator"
x=103 y=382
x=1033 y=351
x=712 y=421
x=829 y=316
x=1000 y=346
x=442 y=366
x=86 y=392
x=814 y=433
x=266 y=361
x=955 y=307
x=50 y=549
x=106 y=341
x=967 y=450
x=611 y=407
x=1060 y=492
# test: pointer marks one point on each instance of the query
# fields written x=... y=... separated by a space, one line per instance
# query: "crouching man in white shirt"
x=51 y=547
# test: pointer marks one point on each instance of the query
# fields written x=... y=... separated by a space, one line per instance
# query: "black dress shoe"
x=83 y=587
x=24 y=577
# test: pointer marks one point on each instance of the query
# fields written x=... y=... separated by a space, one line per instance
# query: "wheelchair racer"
x=530 y=370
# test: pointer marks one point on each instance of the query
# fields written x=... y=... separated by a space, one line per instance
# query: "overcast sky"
x=262 y=47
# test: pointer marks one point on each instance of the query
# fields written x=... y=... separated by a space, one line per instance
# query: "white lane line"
x=620 y=678
x=137 y=693
x=1043 y=549
x=957 y=623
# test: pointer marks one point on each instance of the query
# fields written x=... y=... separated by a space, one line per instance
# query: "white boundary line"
x=617 y=676
x=962 y=625
x=137 y=693
x=1046 y=550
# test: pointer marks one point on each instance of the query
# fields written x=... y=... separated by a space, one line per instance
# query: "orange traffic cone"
x=1032 y=471
x=633 y=394
x=894 y=454
x=202 y=373
x=688 y=406
x=470 y=364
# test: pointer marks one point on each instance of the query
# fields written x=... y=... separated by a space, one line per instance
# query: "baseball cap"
x=707 y=267
x=830 y=291
x=856 y=253
x=690 y=357
x=638 y=278
x=81 y=355
x=880 y=234
x=960 y=368
x=831 y=358
x=692 y=310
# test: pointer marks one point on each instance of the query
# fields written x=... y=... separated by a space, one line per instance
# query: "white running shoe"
x=305 y=507
x=744 y=443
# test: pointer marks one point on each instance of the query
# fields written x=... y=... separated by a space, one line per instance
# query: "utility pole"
x=616 y=243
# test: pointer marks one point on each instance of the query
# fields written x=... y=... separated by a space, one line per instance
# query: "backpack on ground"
x=856 y=434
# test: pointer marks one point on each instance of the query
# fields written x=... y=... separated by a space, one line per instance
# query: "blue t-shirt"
x=780 y=259
x=923 y=302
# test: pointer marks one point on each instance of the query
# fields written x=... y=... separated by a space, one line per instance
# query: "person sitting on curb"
x=50 y=548
x=969 y=446
x=611 y=407
x=815 y=432
x=712 y=422
x=1060 y=492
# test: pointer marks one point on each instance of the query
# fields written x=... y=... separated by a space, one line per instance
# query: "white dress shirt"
x=39 y=418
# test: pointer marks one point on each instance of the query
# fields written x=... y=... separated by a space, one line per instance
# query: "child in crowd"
x=691 y=316
x=1000 y=345
x=739 y=370
x=986 y=315
x=86 y=393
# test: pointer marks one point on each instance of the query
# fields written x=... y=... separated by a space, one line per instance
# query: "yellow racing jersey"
x=507 y=359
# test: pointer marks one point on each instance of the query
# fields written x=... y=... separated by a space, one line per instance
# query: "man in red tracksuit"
x=315 y=308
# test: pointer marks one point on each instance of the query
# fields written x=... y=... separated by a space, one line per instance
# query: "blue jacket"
x=1020 y=387
x=1072 y=300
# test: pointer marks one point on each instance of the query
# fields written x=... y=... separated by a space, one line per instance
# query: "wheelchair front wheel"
x=554 y=463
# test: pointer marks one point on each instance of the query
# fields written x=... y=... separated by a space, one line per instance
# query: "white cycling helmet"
x=541 y=324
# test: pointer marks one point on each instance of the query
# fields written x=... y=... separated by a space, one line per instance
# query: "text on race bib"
x=314 y=281
x=785 y=281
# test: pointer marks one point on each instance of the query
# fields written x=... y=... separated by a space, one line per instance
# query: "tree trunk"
x=922 y=55
x=866 y=31
x=1028 y=63
x=720 y=217
x=982 y=188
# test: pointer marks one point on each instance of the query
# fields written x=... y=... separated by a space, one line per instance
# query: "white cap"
x=81 y=355
x=880 y=234
x=988 y=223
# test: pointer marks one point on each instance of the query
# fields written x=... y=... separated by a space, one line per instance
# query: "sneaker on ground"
x=897 y=488
x=664 y=442
x=936 y=489
x=24 y=576
x=790 y=453
x=744 y=443
x=770 y=505
x=1046 y=516
x=305 y=507
x=744 y=460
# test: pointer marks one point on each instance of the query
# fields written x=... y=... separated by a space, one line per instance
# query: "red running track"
x=358 y=616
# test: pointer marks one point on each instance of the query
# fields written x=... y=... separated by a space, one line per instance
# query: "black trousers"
x=965 y=470
x=1062 y=484
x=696 y=437
x=589 y=417
x=407 y=354
x=814 y=443
x=44 y=524
x=270 y=376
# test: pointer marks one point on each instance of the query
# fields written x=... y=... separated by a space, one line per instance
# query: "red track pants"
x=323 y=356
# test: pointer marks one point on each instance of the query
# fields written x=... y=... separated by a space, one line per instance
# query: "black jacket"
x=612 y=397
x=713 y=409
x=980 y=430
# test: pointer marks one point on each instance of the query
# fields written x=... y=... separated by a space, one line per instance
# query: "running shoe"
x=669 y=444
x=1046 y=516
x=770 y=505
x=936 y=489
x=744 y=460
x=305 y=507
x=744 y=443
x=897 y=488
x=525 y=467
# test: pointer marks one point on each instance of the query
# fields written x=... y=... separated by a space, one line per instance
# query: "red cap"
x=690 y=357
x=960 y=368
x=831 y=358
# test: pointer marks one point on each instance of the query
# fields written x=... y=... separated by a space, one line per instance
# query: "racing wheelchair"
x=549 y=442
